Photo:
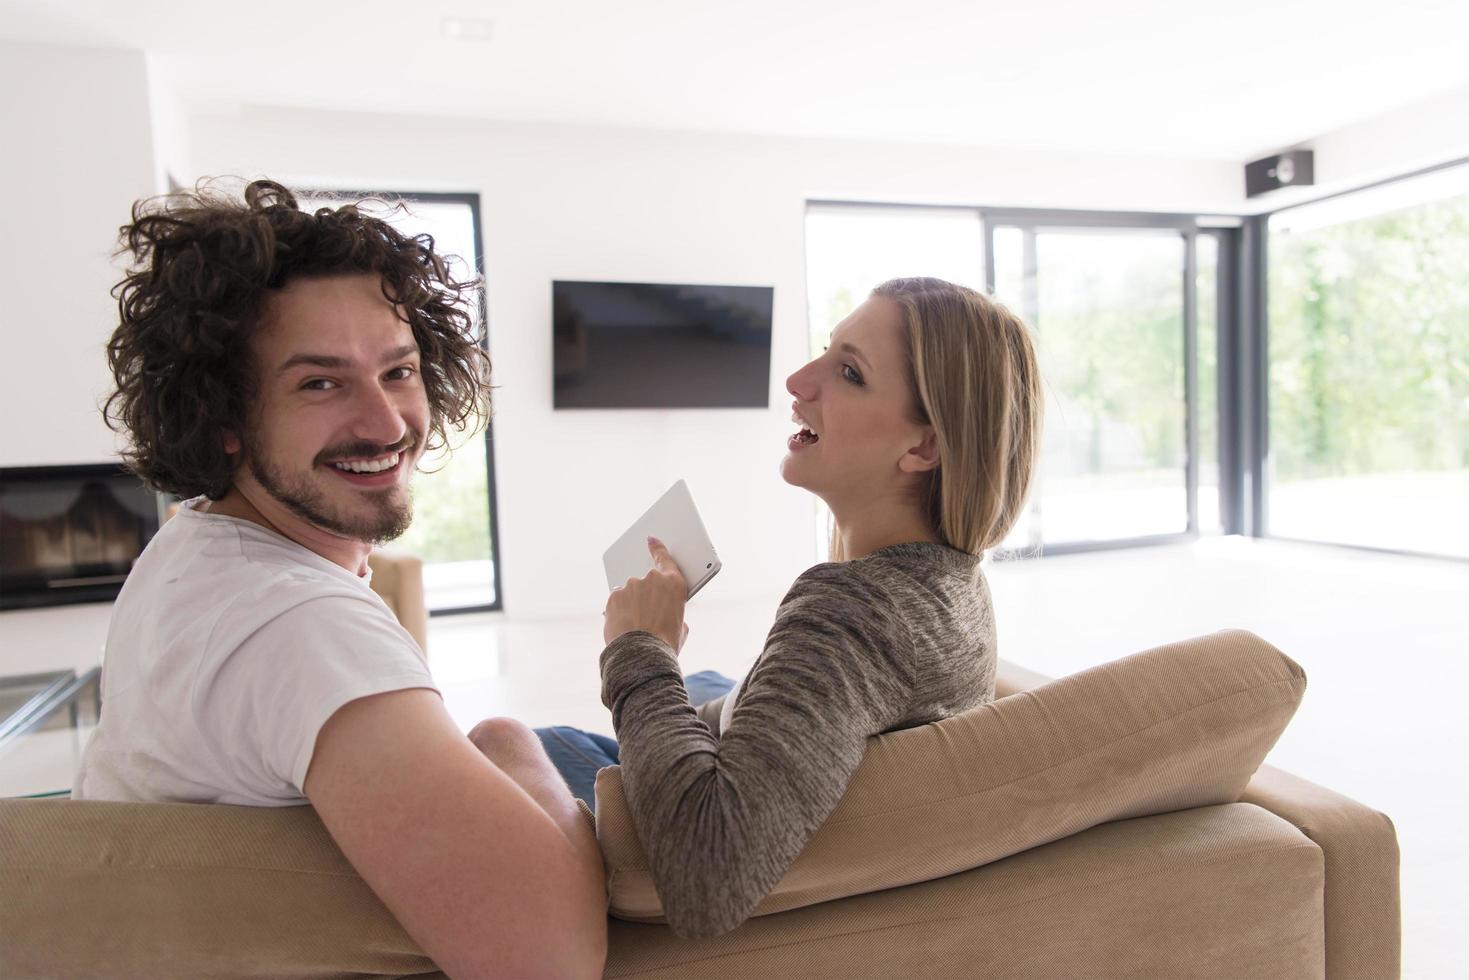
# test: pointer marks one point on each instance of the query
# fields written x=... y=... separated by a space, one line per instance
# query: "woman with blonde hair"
x=919 y=426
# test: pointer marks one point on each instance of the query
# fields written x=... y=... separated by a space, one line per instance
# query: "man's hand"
x=654 y=603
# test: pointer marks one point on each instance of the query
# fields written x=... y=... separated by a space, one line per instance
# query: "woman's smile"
x=806 y=436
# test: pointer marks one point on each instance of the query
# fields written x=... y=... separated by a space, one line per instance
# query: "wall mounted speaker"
x=1294 y=168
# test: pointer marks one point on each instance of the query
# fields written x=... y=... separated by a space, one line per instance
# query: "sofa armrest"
x=1013 y=678
x=1362 y=914
x=1362 y=911
x=398 y=579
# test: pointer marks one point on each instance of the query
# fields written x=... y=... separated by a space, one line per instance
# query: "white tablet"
x=675 y=521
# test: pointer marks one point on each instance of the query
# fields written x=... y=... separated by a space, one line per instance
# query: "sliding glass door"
x=1369 y=368
x=1112 y=301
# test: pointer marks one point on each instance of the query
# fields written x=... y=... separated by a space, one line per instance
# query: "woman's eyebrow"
x=848 y=348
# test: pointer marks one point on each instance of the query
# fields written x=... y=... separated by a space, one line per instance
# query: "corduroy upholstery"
x=1362 y=917
x=90 y=889
x=1227 y=890
x=398 y=578
x=1363 y=938
x=1224 y=892
x=1181 y=726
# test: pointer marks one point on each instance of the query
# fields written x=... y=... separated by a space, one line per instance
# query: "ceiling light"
x=467 y=28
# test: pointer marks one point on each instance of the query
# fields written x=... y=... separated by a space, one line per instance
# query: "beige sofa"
x=397 y=577
x=1114 y=823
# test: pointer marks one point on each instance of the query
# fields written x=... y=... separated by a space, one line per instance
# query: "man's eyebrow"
x=398 y=353
x=335 y=362
x=844 y=346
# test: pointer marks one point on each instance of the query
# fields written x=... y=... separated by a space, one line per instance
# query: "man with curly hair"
x=284 y=372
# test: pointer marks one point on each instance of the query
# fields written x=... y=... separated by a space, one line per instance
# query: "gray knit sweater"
x=898 y=638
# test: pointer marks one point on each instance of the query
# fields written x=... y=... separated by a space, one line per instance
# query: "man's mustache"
x=359 y=450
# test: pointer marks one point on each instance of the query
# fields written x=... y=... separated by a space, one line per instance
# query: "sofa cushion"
x=1180 y=726
x=1217 y=893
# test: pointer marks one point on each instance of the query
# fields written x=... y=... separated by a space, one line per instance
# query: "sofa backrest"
x=122 y=890
x=1179 y=726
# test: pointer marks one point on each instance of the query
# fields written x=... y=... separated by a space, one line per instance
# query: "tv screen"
x=645 y=345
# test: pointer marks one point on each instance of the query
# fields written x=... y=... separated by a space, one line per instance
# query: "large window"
x=453 y=528
x=1369 y=367
x=1177 y=399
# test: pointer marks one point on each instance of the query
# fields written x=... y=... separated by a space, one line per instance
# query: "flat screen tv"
x=647 y=345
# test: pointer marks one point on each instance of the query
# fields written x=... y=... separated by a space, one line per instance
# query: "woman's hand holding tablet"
x=649 y=569
x=675 y=521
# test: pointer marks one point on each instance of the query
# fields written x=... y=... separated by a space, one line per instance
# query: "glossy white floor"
x=1383 y=640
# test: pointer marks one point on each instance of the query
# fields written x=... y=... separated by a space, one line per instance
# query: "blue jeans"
x=578 y=755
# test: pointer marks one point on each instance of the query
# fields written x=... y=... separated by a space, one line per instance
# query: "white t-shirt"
x=229 y=647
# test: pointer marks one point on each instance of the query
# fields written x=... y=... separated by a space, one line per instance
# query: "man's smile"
x=372 y=465
x=376 y=470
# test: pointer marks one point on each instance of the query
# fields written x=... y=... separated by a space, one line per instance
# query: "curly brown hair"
x=203 y=263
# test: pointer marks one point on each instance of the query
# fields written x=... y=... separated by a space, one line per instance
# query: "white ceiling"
x=1177 y=77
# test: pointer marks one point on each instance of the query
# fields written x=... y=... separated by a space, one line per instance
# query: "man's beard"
x=388 y=519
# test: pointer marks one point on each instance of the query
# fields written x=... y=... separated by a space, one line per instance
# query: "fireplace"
x=70 y=533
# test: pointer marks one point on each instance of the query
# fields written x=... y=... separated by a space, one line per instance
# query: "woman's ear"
x=231 y=442
x=923 y=457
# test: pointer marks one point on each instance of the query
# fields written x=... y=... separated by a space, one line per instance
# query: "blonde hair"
x=974 y=378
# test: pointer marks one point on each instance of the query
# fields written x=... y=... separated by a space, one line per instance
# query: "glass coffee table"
x=45 y=720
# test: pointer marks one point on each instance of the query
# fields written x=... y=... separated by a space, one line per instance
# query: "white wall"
x=1419 y=135
x=78 y=152
x=558 y=202
x=168 y=120
x=582 y=203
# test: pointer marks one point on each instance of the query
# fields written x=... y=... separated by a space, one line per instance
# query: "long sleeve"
x=722 y=819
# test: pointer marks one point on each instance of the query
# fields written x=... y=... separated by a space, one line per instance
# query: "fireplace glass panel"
x=70 y=534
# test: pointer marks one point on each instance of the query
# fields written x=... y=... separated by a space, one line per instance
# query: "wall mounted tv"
x=646 y=345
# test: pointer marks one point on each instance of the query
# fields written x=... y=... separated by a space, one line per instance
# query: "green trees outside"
x=1110 y=336
x=1369 y=344
x=451 y=509
x=1110 y=333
